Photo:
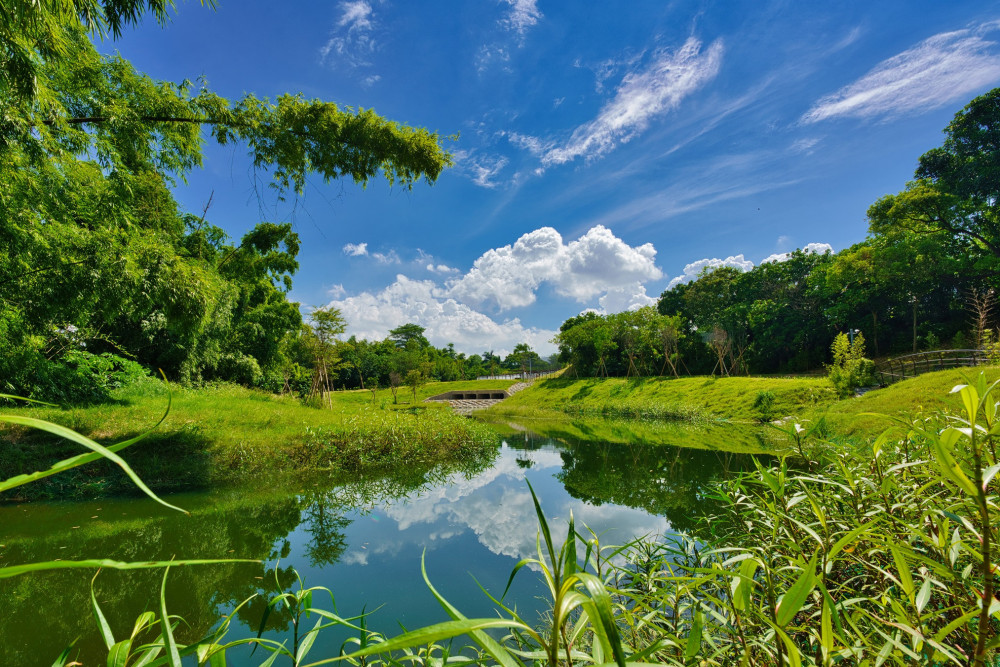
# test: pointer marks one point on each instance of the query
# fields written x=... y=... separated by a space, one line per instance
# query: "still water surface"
x=362 y=540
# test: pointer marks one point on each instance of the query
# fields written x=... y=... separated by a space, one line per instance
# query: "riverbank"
x=224 y=435
x=735 y=399
x=693 y=399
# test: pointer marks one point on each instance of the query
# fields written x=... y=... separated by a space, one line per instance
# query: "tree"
x=415 y=379
x=326 y=323
x=956 y=194
x=90 y=234
x=403 y=334
x=523 y=358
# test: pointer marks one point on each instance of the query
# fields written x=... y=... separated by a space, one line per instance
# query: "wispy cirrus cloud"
x=642 y=95
x=942 y=68
x=522 y=16
x=482 y=169
x=352 y=42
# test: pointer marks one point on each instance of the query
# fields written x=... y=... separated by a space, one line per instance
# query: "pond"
x=362 y=540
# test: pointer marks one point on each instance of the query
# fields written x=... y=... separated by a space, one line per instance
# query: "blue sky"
x=604 y=150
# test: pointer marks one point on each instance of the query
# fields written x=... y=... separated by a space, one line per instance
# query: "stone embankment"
x=468 y=406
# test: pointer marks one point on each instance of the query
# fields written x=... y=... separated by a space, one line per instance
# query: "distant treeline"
x=923 y=279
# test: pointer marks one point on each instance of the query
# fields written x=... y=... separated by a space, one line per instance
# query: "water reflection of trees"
x=667 y=481
x=44 y=612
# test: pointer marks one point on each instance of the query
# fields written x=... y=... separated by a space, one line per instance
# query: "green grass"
x=705 y=399
x=926 y=393
x=737 y=438
x=227 y=434
x=687 y=399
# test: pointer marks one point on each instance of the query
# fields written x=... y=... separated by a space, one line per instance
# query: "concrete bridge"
x=465 y=401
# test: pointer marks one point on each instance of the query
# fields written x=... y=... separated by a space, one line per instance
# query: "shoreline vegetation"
x=223 y=435
x=227 y=435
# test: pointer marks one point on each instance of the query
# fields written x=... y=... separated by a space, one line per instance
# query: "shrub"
x=763 y=406
x=850 y=368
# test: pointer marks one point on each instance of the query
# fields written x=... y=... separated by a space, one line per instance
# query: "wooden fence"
x=912 y=365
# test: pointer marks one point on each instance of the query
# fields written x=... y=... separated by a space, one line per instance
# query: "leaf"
x=903 y=570
x=15 y=570
x=792 y=601
x=946 y=462
x=426 y=635
x=743 y=583
x=693 y=645
x=102 y=622
x=66 y=464
x=606 y=619
x=492 y=646
x=923 y=596
x=120 y=653
x=167 y=631
x=308 y=641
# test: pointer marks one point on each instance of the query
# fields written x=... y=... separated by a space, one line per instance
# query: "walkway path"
x=466 y=407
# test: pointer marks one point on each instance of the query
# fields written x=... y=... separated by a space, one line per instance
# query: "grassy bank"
x=223 y=435
x=735 y=399
x=687 y=399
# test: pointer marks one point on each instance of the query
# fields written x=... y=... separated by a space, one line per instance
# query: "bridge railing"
x=517 y=376
x=912 y=365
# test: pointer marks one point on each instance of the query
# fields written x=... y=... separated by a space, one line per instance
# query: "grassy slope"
x=732 y=399
x=685 y=398
x=222 y=434
x=926 y=393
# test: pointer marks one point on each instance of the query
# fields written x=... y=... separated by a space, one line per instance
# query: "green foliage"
x=763 y=403
x=879 y=554
x=850 y=369
x=90 y=234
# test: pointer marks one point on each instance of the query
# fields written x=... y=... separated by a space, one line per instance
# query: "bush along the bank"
x=880 y=554
x=850 y=369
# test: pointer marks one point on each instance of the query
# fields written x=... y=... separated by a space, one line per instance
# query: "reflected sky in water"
x=364 y=541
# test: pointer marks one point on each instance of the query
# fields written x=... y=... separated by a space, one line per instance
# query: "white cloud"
x=523 y=15
x=372 y=315
x=356 y=249
x=629 y=297
x=943 y=68
x=810 y=248
x=593 y=264
x=336 y=291
x=487 y=55
x=356 y=15
x=640 y=97
x=370 y=81
x=441 y=268
x=390 y=257
x=352 y=39
x=694 y=269
x=484 y=170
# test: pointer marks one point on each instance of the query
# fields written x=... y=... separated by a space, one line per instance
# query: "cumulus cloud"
x=522 y=15
x=441 y=268
x=356 y=249
x=336 y=291
x=694 y=269
x=351 y=40
x=597 y=262
x=372 y=315
x=629 y=297
x=946 y=67
x=641 y=96
x=810 y=248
